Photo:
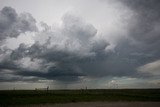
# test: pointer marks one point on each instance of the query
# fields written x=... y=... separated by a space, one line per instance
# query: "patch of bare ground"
x=99 y=104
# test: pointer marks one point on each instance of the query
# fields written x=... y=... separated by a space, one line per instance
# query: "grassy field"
x=23 y=97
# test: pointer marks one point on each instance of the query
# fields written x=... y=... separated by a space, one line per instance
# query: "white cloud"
x=152 y=68
x=26 y=38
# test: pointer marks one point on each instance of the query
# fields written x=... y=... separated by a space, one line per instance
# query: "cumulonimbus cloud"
x=60 y=50
x=72 y=50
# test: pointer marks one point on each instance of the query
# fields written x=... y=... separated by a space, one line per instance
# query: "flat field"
x=29 y=97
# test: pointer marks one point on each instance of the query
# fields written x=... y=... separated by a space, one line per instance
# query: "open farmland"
x=27 y=97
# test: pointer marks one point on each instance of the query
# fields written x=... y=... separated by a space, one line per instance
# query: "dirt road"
x=100 y=104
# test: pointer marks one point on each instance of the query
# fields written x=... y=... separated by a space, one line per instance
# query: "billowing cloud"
x=76 y=51
x=68 y=52
x=12 y=24
x=62 y=50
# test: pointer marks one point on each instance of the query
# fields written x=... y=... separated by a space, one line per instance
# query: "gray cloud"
x=146 y=26
x=60 y=51
x=12 y=24
x=144 y=32
x=19 y=53
x=71 y=51
x=64 y=51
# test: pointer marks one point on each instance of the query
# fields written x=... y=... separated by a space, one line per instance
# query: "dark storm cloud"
x=144 y=30
x=19 y=53
x=15 y=78
x=60 y=53
x=62 y=60
x=146 y=27
x=68 y=65
x=53 y=73
x=12 y=24
x=69 y=52
x=69 y=58
x=142 y=45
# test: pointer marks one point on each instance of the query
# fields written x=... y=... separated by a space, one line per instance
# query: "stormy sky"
x=73 y=44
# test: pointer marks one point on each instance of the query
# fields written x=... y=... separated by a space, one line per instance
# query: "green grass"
x=23 y=97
